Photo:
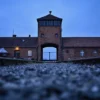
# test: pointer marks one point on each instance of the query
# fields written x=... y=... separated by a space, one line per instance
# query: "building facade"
x=50 y=35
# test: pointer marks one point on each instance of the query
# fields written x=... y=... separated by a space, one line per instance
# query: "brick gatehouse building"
x=50 y=35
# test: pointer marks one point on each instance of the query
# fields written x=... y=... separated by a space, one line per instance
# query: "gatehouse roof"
x=49 y=17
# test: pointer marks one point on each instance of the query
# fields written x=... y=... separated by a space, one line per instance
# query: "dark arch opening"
x=49 y=52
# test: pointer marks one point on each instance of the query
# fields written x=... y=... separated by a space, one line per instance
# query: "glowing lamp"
x=17 y=48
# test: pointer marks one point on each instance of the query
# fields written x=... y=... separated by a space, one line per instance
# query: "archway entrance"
x=49 y=52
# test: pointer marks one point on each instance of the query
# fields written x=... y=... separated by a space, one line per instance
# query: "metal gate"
x=49 y=56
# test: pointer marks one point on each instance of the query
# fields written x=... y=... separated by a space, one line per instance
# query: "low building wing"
x=81 y=41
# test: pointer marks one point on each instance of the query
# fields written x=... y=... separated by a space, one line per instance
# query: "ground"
x=50 y=81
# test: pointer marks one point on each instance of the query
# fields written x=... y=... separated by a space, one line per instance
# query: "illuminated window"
x=42 y=23
x=82 y=53
x=56 y=23
x=29 y=53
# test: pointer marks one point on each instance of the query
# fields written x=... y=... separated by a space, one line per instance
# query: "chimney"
x=14 y=35
x=29 y=35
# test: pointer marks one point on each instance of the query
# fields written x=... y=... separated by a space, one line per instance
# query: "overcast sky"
x=80 y=17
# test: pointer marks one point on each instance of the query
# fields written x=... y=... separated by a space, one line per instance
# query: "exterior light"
x=17 y=48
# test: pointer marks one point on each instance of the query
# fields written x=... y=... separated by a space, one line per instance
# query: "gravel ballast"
x=50 y=81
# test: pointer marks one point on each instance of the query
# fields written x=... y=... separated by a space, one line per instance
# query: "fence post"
x=49 y=55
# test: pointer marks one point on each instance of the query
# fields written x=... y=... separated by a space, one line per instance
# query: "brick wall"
x=51 y=35
x=74 y=53
x=23 y=52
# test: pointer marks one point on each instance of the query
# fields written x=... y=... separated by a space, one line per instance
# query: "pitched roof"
x=81 y=42
x=49 y=17
x=33 y=41
x=18 y=41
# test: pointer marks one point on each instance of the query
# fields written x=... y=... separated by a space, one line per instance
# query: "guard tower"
x=49 y=34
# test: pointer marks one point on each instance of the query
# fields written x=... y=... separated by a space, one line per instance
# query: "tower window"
x=56 y=35
x=42 y=35
x=49 y=23
x=42 y=23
